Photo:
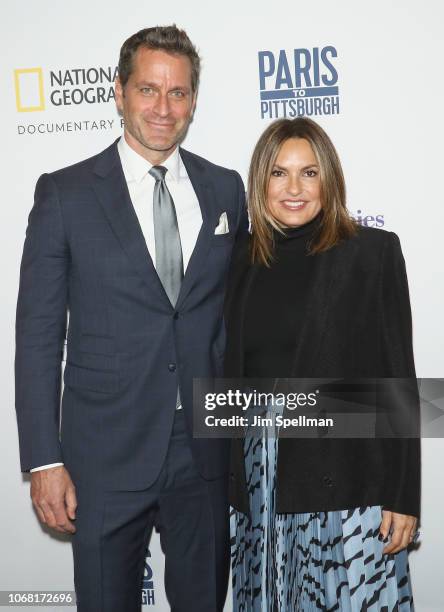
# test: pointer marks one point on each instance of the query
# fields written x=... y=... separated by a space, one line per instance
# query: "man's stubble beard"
x=138 y=135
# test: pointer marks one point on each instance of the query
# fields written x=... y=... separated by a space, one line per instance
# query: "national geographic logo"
x=298 y=83
x=29 y=96
x=63 y=87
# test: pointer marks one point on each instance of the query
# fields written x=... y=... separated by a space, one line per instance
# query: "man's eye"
x=178 y=94
x=146 y=90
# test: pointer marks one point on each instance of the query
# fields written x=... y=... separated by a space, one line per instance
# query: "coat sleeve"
x=402 y=452
x=41 y=329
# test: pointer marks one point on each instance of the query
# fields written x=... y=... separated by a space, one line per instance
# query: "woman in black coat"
x=320 y=522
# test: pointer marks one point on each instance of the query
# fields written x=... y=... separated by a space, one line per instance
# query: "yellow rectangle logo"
x=29 y=94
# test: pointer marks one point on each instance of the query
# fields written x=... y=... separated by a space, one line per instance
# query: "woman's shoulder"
x=367 y=250
x=371 y=240
x=373 y=235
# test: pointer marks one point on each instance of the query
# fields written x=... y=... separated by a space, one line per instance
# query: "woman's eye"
x=311 y=173
x=276 y=173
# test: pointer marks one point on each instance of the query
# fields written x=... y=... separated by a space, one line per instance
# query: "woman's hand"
x=402 y=529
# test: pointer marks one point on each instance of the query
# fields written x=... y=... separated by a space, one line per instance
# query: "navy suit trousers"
x=114 y=529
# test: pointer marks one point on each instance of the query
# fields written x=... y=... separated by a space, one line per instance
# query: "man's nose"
x=162 y=106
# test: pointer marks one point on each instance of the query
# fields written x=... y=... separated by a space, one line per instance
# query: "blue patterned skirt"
x=311 y=561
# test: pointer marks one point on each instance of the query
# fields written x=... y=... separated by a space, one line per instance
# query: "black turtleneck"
x=271 y=332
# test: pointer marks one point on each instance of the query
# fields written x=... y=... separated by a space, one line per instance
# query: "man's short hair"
x=165 y=38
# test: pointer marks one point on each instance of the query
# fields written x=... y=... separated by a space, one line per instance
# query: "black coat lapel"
x=240 y=278
x=324 y=287
x=110 y=186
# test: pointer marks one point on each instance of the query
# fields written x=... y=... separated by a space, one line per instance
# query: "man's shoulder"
x=206 y=165
x=79 y=169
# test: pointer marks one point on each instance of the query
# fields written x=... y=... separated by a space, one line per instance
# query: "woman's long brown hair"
x=336 y=224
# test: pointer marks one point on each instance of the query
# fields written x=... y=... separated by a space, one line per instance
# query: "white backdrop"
x=388 y=131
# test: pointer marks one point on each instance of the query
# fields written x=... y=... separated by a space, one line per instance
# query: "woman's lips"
x=294 y=204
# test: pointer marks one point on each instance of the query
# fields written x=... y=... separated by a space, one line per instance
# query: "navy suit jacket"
x=127 y=347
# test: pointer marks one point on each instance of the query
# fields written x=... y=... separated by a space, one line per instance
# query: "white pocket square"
x=222 y=227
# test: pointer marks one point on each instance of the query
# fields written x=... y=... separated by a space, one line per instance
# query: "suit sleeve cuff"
x=45 y=467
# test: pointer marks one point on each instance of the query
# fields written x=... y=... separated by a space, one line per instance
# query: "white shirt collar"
x=136 y=167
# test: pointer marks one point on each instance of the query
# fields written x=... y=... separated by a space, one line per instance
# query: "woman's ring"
x=415 y=537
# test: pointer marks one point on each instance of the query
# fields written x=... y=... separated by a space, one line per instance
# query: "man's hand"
x=401 y=527
x=54 y=497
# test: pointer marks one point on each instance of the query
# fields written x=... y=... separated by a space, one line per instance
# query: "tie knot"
x=158 y=172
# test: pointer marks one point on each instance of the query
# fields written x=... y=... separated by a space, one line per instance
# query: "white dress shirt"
x=141 y=189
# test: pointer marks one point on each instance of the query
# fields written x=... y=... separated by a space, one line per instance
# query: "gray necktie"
x=169 y=261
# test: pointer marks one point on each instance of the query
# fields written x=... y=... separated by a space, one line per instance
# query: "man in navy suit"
x=131 y=247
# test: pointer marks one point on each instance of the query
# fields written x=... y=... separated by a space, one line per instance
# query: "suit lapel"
x=112 y=192
x=206 y=197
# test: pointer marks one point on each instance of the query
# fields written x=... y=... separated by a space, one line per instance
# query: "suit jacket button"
x=328 y=482
x=175 y=316
x=172 y=367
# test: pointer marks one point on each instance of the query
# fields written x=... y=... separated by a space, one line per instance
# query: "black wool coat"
x=358 y=325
